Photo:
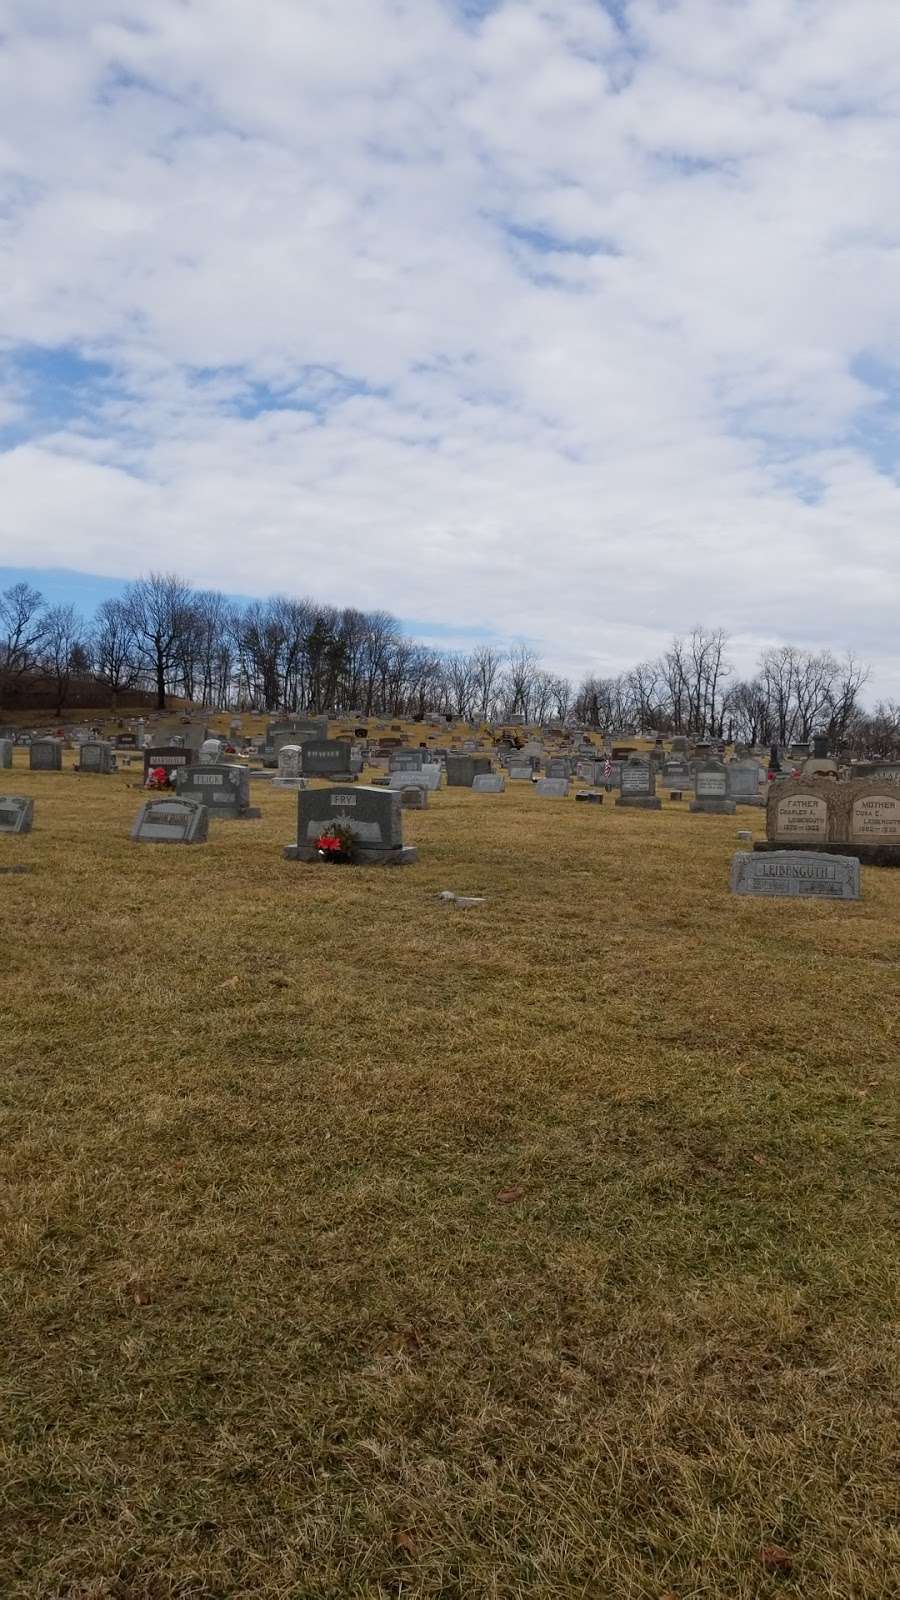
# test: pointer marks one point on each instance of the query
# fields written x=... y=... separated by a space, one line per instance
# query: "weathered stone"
x=16 y=813
x=96 y=755
x=171 y=821
x=6 y=752
x=45 y=755
x=795 y=873
x=463 y=770
x=488 y=783
x=552 y=788
x=590 y=796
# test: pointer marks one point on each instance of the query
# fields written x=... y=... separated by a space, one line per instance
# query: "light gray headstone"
x=96 y=755
x=171 y=821
x=428 y=776
x=489 y=783
x=552 y=788
x=801 y=874
x=16 y=813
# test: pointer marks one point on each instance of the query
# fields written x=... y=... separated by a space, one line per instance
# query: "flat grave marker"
x=796 y=874
x=16 y=813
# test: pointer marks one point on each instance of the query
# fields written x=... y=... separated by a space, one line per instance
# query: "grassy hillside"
x=356 y=1246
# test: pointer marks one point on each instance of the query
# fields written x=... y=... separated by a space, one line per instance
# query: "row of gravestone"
x=860 y=817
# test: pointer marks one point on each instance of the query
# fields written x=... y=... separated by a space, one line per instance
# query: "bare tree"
x=23 y=628
x=113 y=651
x=63 y=650
x=158 y=609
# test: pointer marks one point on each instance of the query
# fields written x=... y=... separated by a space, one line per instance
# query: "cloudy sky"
x=575 y=321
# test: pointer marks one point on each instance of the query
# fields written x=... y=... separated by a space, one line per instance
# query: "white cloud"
x=528 y=320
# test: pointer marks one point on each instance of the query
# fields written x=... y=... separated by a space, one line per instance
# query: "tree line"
x=163 y=637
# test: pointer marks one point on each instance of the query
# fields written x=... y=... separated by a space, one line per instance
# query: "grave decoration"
x=372 y=814
x=16 y=813
x=168 y=756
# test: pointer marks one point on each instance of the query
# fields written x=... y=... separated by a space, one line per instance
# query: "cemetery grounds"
x=356 y=1246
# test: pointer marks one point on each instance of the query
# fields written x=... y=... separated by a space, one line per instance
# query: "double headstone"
x=860 y=818
x=801 y=874
x=171 y=821
x=372 y=815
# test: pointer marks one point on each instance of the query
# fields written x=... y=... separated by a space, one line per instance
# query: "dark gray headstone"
x=16 y=813
x=169 y=756
x=372 y=814
x=171 y=821
x=6 y=752
x=463 y=770
x=326 y=758
x=637 y=782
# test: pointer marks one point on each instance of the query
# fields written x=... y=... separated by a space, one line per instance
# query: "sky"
x=574 y=321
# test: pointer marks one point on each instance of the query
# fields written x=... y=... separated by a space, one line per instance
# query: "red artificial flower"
x=328 y=842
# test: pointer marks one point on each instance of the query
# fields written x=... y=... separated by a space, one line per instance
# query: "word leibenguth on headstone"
x=795 y=874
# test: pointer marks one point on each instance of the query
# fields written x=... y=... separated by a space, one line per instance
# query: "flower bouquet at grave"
x=158 y=778
x=337 y=843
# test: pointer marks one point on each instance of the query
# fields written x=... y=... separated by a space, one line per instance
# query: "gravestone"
x=638 y=786
x=96 y=755
x=798 y=751
x=680 y=745
x=168 y=756
x=223 y=788
x=289 y=768
x=172 y=821
x=326 y=758
x=45 y=755
x=552 y=788
x=6 y=753
x=872 y=811
x=406 y=760
x=16 y=813
x=211 y=751
x=520 y=774
x=413 y=796
x=800 y=874
x=744 y=783
x=590 y=795
x=801 y=812
x=489 y=783
x=559 y=767
x=372 y=814
x=126 y=741
x=463 y=770
x=711 y=790
x=428 y=776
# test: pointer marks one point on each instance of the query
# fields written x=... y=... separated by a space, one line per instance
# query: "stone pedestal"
x=713 y=808
x=640 y=802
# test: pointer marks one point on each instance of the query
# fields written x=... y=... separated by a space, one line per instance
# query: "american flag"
x=607 y=769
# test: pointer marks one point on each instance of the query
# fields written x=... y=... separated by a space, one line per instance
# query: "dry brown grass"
x=355 y=1246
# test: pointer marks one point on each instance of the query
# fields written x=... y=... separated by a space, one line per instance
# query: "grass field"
x=356 y=1246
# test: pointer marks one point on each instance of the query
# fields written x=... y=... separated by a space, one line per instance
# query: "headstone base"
x=759 y=803
x=868 y=855
x=289 y=783
x=640 y=802
x=713 y=808
x=591 y=799
x=406 y=856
